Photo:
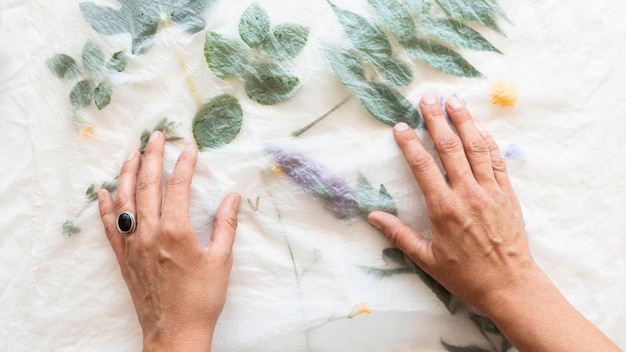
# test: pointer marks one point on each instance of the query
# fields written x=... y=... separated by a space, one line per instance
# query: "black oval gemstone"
x=125 y=222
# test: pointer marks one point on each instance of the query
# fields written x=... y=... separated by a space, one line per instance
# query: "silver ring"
x=126 y=223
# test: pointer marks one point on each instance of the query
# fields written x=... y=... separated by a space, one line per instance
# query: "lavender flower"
x=513 y=152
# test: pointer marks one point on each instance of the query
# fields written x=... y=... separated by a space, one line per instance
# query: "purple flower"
x=513 y=153
x=316 y=179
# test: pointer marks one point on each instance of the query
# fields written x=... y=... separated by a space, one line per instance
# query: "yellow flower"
x=87 y=131
x=503 y=93
x=277 y=170
x=363 y=308
x=359 y=308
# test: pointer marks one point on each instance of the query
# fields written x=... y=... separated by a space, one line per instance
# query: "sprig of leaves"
x=94 y=85
x=142 y=18
x=164 y=126
x=266 y=81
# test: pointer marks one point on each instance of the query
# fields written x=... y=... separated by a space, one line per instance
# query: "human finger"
x=223 y=235
x=178 y=189
x=448 y=144
x=498 y=164
x=476 y=149
x=109 y=220
x=125 y=195
x=413 y=244
x=149 y=181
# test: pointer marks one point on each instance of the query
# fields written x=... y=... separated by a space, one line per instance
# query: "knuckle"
x=449 y=143
x=477 y=146
x=145 y=181
x=177 y=180
x=499 y=165
x=227 y=222
x=420 y=160
x=121 y=200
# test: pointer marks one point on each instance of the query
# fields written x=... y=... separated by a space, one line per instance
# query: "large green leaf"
x=396 y=17
x=102 y=95
x=388 y=106
x=365 y=35
x=442 y=58
x=254 y=26
x=226 y=58
x=286 y=41
x=141 y=18
x=82 y=94
x=348 y=67
x=217 y=122
x=63 y=66
x=457 y=33
x=93 y=58
x=270 y=83
x=472 y=10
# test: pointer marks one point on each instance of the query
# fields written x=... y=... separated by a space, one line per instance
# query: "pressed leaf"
x=226 y=58
x=93 y=58
x=398 y=72
x=82 y=94
x=217 y=122
x=471 y=10
x=63 y=66
x=254 y=26
x=457 y=33
x=348 y=68
x=118 y=62
x=366 y=197
x=396 y=17
x=388 y=106
x=102 y=95
x=141 y=18
x=442 y=58
x=420 y=8
x=386 y=202
x=472 y=348
x=394 y=255
x=365 y=35
x=286 y=41
x=485 y=323
x=69 y=228
x=270 y=83
x=90 y=190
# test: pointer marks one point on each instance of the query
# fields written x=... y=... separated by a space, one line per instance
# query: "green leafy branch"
x=94 y=71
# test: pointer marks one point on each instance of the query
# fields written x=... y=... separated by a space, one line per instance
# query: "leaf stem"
x=310 y=125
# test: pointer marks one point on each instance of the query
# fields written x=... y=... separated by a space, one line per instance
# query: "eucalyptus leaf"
x=63 y=66
x=141 y=18
x=442 y=58
x=217 y=122
x=398 y=73
x=226 y=58
x=93 y=58
x=472 y=348
x=472 y=10
x=254 y=26
x=388 y=106
x=118 y=62
x=396 y=17
x=270 y=83
x=457 y=33
x=365 y=35
x=82 y=94
x=286 y=41
x=102 y=95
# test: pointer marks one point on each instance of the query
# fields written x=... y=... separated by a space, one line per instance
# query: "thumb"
x=223 y=235
x=409 y=241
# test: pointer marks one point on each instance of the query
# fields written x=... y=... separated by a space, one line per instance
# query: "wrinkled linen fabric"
x=297 y=269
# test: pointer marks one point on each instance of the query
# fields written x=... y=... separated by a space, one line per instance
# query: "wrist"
x=178 y=339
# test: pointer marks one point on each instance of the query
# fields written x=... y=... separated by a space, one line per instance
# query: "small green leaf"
x=364 y=35
x=93 y=58
x=388 y=106
x=102 y=95
x=226 y=58
x=118 y=62
x=82 y=94
x=472 y=348
x=457 y=33
x=396 y=17
x=254 y=26
x=63 y=66
x=286 y=41
x=270 y=83
x=442 y=58
x=366 y=197
x=90 y=190
x=398 y=73
x=217 y=122
x=386 y=202
x=394 y=255
x=69 y=228
x=145 y=136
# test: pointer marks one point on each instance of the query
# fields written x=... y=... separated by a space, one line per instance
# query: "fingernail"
x=429 y=99
x=374 y=223
x=482 y=131
x=188 y=148
x=401 y=127
x=131 y=155
x=455 y=103
x=236 y=202
x=154 y=136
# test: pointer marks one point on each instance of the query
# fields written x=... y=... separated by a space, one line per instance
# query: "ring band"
x=126 y=223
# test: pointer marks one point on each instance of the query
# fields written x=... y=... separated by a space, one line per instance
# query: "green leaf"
x=485 y=324
x=398 y=73
x=141 y=18
x=270 y=83
x=226 y=58
x=366 y=197
x=110 y=186
x=63 y=66
x=472 y=10
x=364 y=35
x=394 y=255
x=82 y=94
x=286 y=41
x=420 y=8
x=348 y=68
x=102 y=95
x=386 y=202
x=396 y=17
x=472 y=348
x=442 y=58
x=93 y=58
x=388 y=106
x=90 y=190
x=254 y=26
x=217 y=122
x=118 y=62
x=69 y=228
x=457 y=33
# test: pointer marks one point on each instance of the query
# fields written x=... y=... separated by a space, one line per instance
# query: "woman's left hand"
x=177 y=286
